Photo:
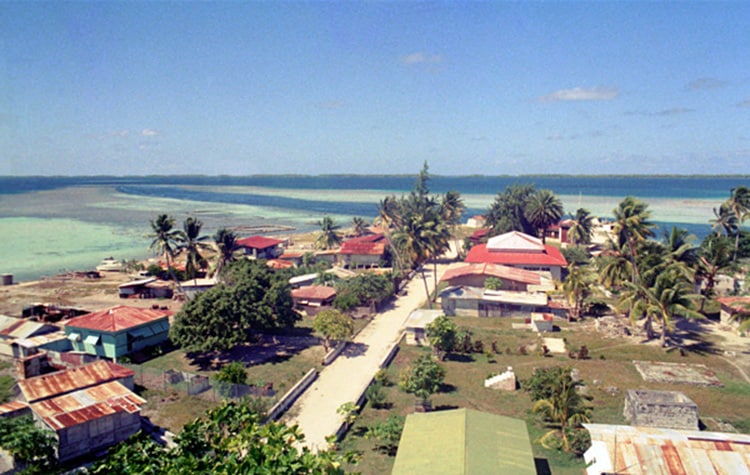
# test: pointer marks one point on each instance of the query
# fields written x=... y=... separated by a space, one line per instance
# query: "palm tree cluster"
x=418 y=226
x=731 y=214
x=524 y=208
x=652 y=280
x=170 y=242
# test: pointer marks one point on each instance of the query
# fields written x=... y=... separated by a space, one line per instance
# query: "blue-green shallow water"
x=52 y=224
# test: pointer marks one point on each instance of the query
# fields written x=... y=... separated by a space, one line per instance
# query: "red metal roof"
x=550 y=257
x=279 y=264
x=62 y=382
x=370 y=245
x=117 y=318
x=259 y=242
x=314 y=292
x=736 y=304
x=494 y=270
x=87 y=404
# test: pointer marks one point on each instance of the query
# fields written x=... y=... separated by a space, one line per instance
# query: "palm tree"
x=165 y=241
x=670 y=296
x=359 y=226
x=389 y=217
x=565 y=409
x=679 y=245
x=328 y=238
x=615 y=266
x=227 y=249
x=543 y=210
x=418 y=240
x=725 y=221
x=582 y=227
x=451 y=209
x=739 y=203
x=714 y=259
x=193 y=243
x=632 y=225
x=576 y=286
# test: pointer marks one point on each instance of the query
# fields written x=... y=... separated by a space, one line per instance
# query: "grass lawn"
x=608 y=374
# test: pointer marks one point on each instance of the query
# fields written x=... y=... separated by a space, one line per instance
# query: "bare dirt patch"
x=664 y=372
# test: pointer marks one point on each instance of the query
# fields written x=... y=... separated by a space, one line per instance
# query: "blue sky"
x=380 y=87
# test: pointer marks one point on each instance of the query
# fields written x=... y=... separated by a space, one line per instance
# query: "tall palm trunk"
x=426 y=288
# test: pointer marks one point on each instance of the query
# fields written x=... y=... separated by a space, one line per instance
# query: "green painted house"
x=118 y=331
x=463 y=442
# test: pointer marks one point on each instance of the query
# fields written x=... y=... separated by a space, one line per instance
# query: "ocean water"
x=54 y=224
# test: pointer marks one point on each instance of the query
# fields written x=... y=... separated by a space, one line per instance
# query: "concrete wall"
x=97 y=434
x=667 y=409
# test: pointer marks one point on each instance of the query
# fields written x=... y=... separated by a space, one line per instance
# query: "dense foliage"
x=362 y=290
x=229 y=439
x=441 y=333
x=423 y=379
x=32 y=448
x=252 y=299
x=332 y=324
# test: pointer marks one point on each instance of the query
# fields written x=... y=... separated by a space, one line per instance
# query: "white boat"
x=110 y=264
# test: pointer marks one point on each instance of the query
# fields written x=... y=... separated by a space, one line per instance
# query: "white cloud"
x=706 y=83
x=581 y=94
x=149 y=133
x=421 y=58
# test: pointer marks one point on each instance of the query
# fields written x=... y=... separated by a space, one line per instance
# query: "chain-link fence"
x=199 y=385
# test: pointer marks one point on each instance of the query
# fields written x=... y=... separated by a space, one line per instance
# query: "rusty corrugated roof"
x=54 y=384
x=656 y=451
x=118 y=318
x=12 y=406
x=87 y=404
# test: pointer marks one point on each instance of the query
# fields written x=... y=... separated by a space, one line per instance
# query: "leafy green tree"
x=329 y=236
x=32 y=448
x=423 y=379
x=227 y=248
x=493 y=283
x=193 y=244
x=542 y=210
x=165 y=239
x=253 y=299
x=361 y=290
x=563 y=408
x=441 y=333
x=387 y=433
x=582 y=227
x=229 y=439
x=332 y=324
x=229 y=376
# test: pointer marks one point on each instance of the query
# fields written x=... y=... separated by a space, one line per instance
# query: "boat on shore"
x=109 y=264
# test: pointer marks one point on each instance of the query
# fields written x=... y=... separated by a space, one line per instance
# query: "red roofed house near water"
x=261 y=247
x=365 y=251
x=519 y=250
x=474 y=275
x=118 y=331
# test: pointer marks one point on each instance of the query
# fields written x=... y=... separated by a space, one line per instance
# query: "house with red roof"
x=261 y=247
x=519 y=250
x=475 y=275
x=88 y=408
x=312 y=297
x=365 y=251
x=118 y=331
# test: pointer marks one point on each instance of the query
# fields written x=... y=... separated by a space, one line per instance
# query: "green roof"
x=463 y=441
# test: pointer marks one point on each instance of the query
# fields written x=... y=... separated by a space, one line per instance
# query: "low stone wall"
x=331 y=355
x=280 y=407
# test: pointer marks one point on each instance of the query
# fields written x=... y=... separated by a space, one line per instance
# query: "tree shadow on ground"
x=444 y=407
x=690 y=336
x=271 y=348
x=459 y=358
x=354 y=349
x=447 y=388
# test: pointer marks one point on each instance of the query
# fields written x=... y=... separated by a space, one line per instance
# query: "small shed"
x=118 y=331
x=147 y=288
x=466 y=301
x=193 y=287
x=313 y=296
x=463 y=442
x=14 y=329
x=416 y=326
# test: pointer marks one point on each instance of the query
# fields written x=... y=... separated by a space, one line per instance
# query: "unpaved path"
x=349 y=375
